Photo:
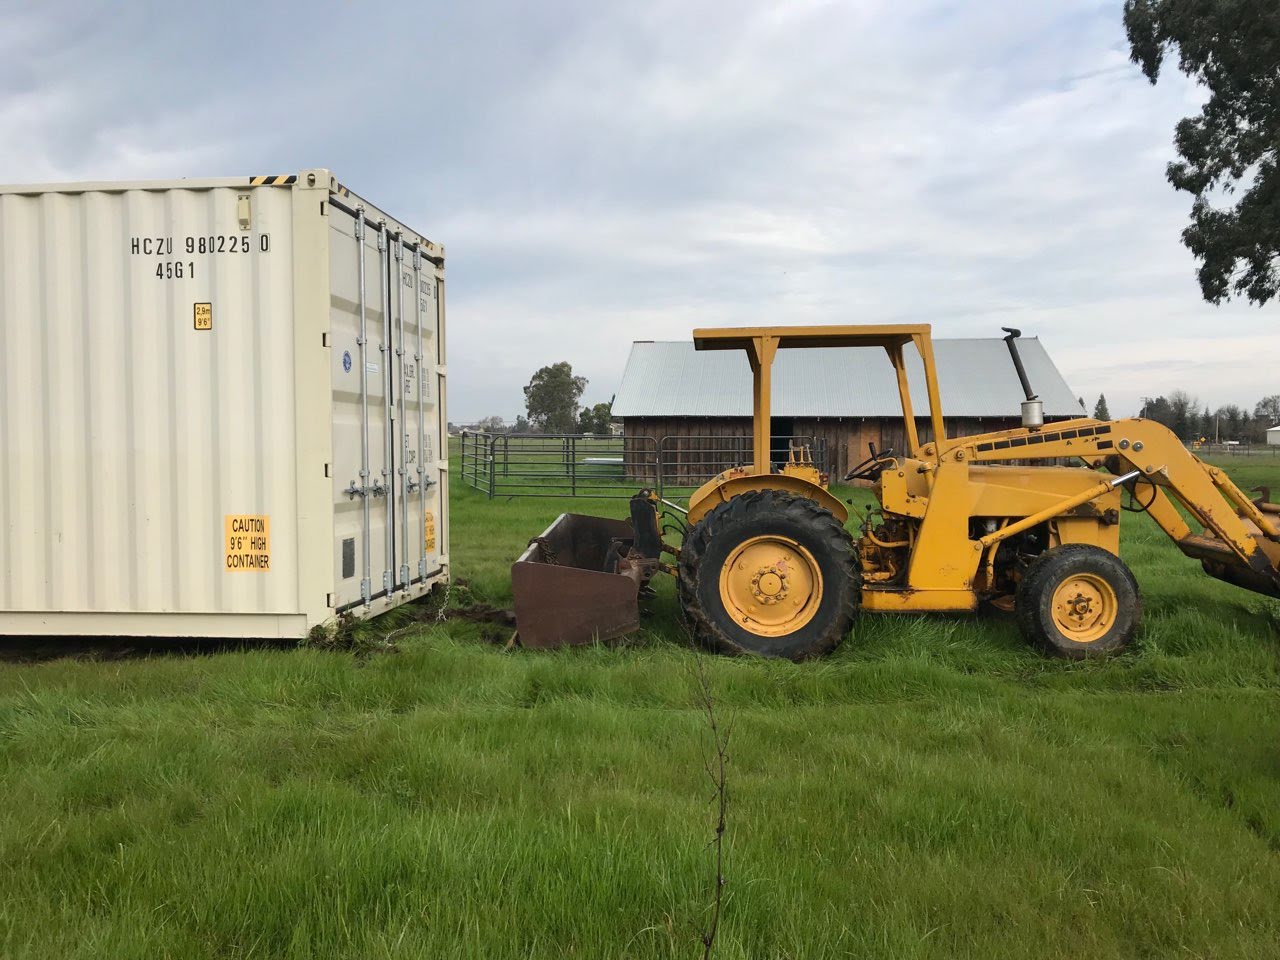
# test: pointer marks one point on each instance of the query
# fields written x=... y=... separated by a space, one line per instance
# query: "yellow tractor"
x=1027 y=520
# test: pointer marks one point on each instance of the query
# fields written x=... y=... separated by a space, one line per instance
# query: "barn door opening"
x=781 y=430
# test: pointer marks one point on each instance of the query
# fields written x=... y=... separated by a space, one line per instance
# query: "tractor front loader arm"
x=1240 y=542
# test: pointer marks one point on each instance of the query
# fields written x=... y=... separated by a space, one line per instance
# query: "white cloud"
x=602 y=173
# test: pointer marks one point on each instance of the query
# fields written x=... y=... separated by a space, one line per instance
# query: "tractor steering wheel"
x=870 y=468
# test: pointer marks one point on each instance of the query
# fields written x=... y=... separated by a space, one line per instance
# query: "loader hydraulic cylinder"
x=1026 y=523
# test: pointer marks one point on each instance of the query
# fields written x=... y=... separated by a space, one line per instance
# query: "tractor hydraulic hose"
x=1138 y=505
x=888 y=545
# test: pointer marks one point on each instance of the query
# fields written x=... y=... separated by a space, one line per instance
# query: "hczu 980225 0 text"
x=230 y=243
x=219 y=243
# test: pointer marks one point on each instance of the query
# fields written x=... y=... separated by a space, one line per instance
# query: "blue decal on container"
x=346 y=361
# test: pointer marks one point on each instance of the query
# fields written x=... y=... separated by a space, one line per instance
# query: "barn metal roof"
x=975 y=376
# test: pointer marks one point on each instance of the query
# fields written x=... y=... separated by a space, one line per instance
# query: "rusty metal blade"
x=563 y=594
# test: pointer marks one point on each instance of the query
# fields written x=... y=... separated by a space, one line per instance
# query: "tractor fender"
x=731 y=483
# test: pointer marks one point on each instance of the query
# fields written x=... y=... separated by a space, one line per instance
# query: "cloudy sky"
x=605 y=171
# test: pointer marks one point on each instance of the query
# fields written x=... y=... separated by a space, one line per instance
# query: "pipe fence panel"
x=557 y=465
x=582 y=465
x=1203 y=450
x=686 y=463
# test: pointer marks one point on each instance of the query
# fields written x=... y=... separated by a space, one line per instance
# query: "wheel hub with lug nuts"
x=1080 y=606
x=771 y=585
x=1085 y=607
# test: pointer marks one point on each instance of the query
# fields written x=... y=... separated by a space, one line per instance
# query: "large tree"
x=1227 y=422
x=595 y=419
x=1206 y=424
x=1100 y=411
x=1183 y=410
x=551 y=398
x=1157 y=409
x=1230 y=149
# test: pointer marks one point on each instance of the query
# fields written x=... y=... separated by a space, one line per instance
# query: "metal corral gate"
x=582 y=465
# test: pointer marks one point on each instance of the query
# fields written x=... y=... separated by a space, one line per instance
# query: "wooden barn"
x=690 y=410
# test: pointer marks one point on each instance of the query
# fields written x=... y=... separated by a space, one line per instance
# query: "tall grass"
x=934 y=789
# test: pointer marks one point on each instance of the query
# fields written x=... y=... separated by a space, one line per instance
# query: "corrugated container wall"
x=221 y=408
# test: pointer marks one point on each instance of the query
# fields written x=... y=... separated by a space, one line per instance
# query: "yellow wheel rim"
x=1084 y=607
x=771 y=586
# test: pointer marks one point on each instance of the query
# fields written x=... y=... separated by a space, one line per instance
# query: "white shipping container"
x=222 y=408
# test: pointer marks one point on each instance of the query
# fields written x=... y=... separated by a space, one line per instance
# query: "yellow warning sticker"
x=429 y=532
x=204 y=316
x=248 y=543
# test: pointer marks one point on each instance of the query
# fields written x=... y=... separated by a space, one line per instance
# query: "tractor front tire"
x=1078 y=601
x=769 y=573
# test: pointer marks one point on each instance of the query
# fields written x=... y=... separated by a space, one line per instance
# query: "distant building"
x=1273 y=434
x=841 y=399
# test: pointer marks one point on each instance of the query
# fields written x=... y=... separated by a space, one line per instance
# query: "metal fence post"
x=657 y=468
x=493 y=466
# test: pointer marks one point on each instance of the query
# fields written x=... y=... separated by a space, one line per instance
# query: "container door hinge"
x=365 y=593
x=328 y=600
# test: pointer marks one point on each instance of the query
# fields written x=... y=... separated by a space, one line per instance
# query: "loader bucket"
x=564 y=595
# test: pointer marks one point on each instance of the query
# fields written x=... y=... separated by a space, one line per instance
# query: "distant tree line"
x=552 y=403
x=1184 y=415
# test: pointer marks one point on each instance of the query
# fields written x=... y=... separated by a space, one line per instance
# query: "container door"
x=416 y=478
x=385 y=325
x=433 y=428
x=388 y=489
x=363 y=467
x=402 y=367
x=429 y=419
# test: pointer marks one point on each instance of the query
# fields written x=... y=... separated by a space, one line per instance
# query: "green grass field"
x=934 y=789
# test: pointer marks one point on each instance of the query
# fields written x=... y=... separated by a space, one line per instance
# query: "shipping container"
x=222 y=408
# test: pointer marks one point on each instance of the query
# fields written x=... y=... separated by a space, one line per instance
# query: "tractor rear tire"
x=1078 y=601
x=771 y=574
